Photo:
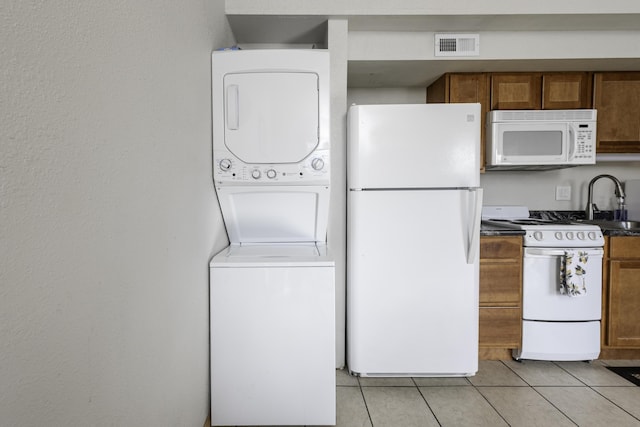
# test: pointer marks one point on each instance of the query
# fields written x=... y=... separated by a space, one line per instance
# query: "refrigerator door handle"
x=475 y=217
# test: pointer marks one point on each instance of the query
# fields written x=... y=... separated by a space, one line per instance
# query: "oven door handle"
x=559 y=252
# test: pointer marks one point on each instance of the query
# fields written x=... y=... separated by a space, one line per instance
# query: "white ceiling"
x=382 y=72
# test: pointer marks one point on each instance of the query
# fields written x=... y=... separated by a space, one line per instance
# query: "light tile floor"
x=505 y=393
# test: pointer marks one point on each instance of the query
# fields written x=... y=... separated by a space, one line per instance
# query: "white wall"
x=337 y=33
x=537 y=189
x=108 y=211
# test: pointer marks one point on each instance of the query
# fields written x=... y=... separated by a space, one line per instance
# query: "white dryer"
x=272 y=290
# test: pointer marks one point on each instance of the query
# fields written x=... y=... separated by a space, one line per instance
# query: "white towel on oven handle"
x=573 y=273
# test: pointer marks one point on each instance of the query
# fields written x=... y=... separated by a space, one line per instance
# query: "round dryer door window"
x=271 y=117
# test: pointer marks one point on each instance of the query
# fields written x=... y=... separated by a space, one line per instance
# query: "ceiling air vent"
x=457 y=44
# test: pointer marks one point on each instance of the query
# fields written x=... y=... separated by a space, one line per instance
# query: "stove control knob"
x=255 y=174
x=271 y=174
x=580 y=235
x=570 y=235
x=537 y=235
x=592 y=235
x=558 y=235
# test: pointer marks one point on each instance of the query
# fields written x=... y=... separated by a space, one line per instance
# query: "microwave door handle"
x=572 y=143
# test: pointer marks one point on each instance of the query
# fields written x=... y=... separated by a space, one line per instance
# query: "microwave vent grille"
x=544 y=115
x=457 y=44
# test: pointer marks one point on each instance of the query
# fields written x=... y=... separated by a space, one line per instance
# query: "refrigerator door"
x=412 y=282
x=414 y=146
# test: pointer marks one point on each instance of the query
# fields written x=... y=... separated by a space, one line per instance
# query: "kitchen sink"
x=613 y=225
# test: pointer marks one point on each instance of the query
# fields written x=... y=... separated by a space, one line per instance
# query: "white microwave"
x=540 y=139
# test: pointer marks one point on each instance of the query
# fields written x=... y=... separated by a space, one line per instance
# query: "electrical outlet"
x=563 y=193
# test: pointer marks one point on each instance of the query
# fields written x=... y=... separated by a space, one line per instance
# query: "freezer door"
x=412 y=282
x=414 y=146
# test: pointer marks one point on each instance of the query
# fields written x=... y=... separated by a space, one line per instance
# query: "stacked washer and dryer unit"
x=272 y=290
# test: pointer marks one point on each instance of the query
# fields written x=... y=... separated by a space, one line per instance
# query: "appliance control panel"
x=585 y=141
x=578 y=237
x=313 y=169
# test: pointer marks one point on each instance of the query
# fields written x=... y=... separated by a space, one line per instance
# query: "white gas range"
x=561 y=285
x=544 y=232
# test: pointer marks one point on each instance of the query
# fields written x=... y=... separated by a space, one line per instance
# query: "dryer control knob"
x=317 y=163
x=271 y=174
x=255 y=174
x=225 y=164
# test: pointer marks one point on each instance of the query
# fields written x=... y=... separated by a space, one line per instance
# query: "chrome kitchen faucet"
x=591 y=207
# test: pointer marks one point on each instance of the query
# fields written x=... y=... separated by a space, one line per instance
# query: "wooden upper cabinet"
x=566 y=91
x=616 y=96
x=517 y=91
x=464 y=88
x=459 y=87
x=534 y=91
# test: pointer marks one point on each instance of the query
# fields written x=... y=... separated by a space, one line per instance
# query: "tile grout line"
x=425 y=401
x=490 y=404
x=540 y=394
x=614 y=403
x=365 y=401
x=596 y=391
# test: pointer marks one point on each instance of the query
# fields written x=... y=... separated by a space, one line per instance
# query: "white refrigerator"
x=414 y=207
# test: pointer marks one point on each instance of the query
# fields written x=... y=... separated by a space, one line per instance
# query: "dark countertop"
x=496 y=230
x=619 y=232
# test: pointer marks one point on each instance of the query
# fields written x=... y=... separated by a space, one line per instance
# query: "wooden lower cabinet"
x=621 y=297
x=500 y=296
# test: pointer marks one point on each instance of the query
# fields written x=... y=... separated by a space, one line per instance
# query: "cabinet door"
x=464 y=87
x=500 y=271
x=616 y=96
x=500 y=291
x=472 y=88
x=500 y=284
x=500 y=327
x=519 y=91
x=624 y=303
x=468 y=88
x=566 y=91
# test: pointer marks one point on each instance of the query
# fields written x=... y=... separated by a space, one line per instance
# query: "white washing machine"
x=272 y=290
